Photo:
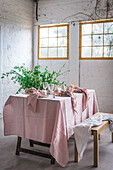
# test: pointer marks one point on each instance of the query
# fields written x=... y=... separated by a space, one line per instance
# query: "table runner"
x=52 y=122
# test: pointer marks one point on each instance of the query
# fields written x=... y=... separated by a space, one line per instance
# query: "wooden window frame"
x=54 y=58
x=80 y=42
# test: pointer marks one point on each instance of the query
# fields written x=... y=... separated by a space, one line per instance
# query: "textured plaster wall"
x=95 y=74
x=16 y=23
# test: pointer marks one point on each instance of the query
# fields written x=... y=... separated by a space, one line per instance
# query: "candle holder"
x=54 y=91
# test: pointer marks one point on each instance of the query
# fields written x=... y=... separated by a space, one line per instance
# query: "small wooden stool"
x=95 y=131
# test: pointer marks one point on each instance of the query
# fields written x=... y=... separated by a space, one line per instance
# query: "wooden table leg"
x=96 y=150
x=31 y=142
x=42 y=154
x=76 y=156
x=112 y=137
x=98 y=136
x=52 y=160
x=18 y=145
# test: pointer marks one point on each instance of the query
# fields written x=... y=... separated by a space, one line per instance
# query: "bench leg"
x=76 y=156
x=96 y=150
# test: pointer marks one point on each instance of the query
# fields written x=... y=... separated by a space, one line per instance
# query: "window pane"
x=86 y=40
x=53 y=32
x=62 y=31
x=97 y=40
x=108 y=39
x=97 y=52
x=108 y=27
x=98 y=28
x=108 y=51
x=99 y=43
x=52 y=42
x=52 y=52
x=43 y=52
x=62 y=52
x=86 y=52
x=43 y=32
x=62 y=41
x=86 y=29
x=44 y=42
x=51 y=38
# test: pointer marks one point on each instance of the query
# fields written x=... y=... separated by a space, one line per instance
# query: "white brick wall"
x=16 y=23
x=72 y=10
x=97 y=74
x=16 y=20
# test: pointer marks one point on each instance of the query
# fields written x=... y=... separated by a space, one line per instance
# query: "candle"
x=72 y=80
x=54 y=90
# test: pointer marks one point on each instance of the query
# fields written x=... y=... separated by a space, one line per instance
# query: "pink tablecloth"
x=52 y=122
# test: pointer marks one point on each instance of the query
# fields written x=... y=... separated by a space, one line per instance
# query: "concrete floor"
x=9 y=161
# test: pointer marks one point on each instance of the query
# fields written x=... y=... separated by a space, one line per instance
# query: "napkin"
x=73 y=98
x=32 y=99
x=85 y=96
x=85 y=99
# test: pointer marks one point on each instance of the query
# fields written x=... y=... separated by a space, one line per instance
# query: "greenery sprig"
x=28 y=78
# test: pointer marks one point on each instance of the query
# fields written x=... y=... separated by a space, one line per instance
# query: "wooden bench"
x=95 y=131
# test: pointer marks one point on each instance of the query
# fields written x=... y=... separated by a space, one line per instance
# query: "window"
x=53 y=42
x=96 y=39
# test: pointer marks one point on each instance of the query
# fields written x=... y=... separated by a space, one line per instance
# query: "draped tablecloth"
x=52 y=122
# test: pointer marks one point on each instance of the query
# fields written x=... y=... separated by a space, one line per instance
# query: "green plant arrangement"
x=28 y=78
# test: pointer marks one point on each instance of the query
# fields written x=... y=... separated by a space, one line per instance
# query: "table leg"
x=20 y=149
x=52 y=160
x=76 y=156
x=96 y=150
x=18 y=145
x=112 y=137
x=99 y=136
x=31 y=142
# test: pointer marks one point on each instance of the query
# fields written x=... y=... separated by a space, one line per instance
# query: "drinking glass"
x=45 y=85
x=51 y=86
